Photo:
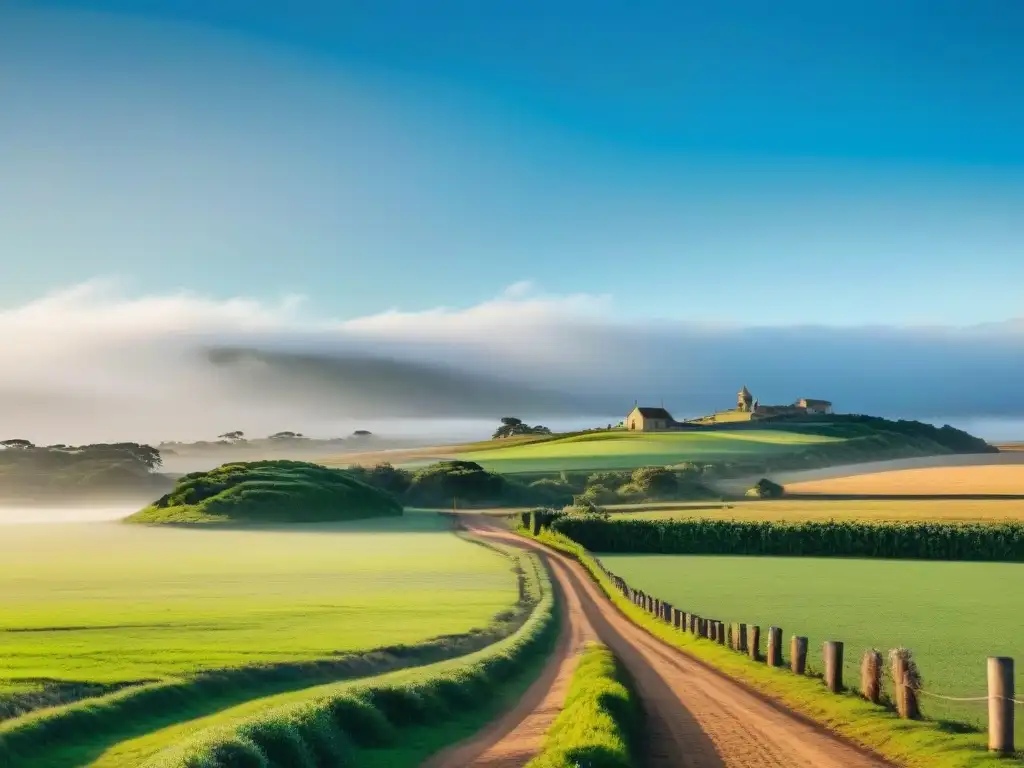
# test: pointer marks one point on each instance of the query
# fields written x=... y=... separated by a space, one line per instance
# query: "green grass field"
x=951 y=615
x=625 y=450
x=112 y=602
x=796 y=509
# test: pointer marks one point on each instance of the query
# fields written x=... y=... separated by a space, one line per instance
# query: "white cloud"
x=92 y=362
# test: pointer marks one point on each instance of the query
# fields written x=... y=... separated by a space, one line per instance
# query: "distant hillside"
x=269 y=492
x=806 y=442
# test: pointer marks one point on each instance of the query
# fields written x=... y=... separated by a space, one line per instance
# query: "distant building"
x=650 y=420
x=806 y=406
x=814 y=406
x=748 y=408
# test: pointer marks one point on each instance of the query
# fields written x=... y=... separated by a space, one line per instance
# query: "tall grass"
x=598 y=726
x=901 y=540
x=334 y=725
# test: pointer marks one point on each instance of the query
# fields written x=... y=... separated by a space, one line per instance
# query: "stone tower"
x=744 y=400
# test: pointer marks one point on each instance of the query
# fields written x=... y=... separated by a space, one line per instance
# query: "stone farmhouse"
x=748 y=408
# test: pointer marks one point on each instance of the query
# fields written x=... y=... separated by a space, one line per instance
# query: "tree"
x=362 y=433
x=234 y=437
x=146 y=454
x=511 y=426
x=286 y=436
x=17 y=443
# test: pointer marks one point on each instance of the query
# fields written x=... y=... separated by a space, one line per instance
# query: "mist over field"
x=65 y=513
x=92 y=363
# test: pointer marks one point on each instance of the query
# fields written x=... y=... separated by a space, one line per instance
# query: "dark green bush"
x=766 y=489
x=237 y=753
x=366 y=726
x=898 y=540
x=279 y=741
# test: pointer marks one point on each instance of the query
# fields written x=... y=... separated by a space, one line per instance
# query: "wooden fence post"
x=1000 y=704
x=775 y=646
x=754 y=642
x=832 y=653
x=720 y=639
x=741 y=638
x=798 y=654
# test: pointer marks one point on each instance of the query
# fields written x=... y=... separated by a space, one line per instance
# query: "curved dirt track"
x=512 y=740
x=695 y=717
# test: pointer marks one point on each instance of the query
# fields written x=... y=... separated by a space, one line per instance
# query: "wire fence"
x=1001 y=728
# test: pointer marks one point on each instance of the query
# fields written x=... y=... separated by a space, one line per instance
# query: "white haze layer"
x=94 y=363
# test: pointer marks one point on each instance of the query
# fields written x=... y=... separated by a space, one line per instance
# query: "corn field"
x=1002 y=542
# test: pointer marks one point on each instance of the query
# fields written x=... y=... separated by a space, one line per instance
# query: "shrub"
x=766 y=489
x=655 y=481
x=608 y=479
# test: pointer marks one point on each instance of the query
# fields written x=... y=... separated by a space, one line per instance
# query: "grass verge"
x=359 y=723
x=600 y=721
x=912 y=743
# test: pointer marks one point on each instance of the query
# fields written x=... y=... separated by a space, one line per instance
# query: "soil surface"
x=695 y=716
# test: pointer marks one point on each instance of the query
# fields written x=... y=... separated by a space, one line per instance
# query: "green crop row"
x=345 y=720
x=599 y=722
x=900 y=540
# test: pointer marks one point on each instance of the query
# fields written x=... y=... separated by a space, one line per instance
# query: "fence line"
x=1001 y=719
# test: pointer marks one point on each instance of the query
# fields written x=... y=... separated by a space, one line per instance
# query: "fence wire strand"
x=961 y=698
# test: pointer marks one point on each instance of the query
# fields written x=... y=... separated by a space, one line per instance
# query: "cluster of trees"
x=468 y=483
x=511 y=426
x=446 y=482
x=110 y=469
x=17 y=450
x=597 y=489
x=286 y=439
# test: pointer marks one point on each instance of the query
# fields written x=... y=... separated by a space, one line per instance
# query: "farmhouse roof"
x=654 y=413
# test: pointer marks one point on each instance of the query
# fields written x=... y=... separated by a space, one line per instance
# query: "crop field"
x=108 y=602
x=623 y=450
x=807 y=508
x=1002 y=479
x=951 y=615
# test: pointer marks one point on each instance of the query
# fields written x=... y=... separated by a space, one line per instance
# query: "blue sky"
x=765 y=164
x=323 y=216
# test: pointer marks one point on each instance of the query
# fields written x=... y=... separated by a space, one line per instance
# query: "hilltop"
x=275 y=491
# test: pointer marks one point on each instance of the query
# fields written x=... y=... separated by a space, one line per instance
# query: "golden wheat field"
x=985 y=479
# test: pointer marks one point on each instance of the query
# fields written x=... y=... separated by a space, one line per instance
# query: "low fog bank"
x=27 y=514
x=91 y=365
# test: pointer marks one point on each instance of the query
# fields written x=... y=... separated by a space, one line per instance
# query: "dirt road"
x=696 y=718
